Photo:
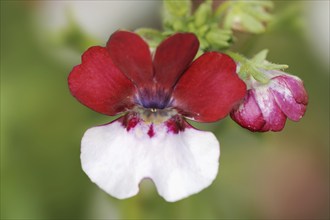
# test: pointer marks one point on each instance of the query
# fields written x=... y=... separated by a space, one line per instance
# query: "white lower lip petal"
x=179 y=164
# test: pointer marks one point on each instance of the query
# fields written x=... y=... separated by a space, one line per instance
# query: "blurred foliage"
x=73 y=36
x=178 y=16
x=247 y=16
x=42 y=125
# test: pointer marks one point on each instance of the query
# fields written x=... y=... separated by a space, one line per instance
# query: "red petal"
x=132 y=56
x=209 y=89
x=297 y=88
x=248 y=114
x=99 y=85
x=285 y=99
x=173 y=57
x=273 y=115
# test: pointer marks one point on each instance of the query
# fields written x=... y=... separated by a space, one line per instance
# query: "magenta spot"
x=176 y=124
x=132 y=122
x=151 y=131
x=172 y=126
x=129 y=121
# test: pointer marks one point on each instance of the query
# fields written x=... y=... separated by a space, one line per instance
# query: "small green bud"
x=203 y=13
x=177 y=8
x=219 y=39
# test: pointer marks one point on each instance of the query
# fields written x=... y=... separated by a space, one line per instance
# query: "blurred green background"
x=270 y=176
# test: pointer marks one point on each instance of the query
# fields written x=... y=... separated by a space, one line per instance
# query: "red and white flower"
x=266 y=106
x=155 y=92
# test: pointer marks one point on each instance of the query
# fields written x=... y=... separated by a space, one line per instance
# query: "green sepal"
x=260 y=61
x=260 y=57
x=257 y=74
x=274 y=66
x=254 y=67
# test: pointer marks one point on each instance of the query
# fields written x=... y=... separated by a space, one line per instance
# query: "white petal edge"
x=179 y=164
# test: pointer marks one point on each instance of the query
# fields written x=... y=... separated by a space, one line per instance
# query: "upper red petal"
x=132 y=56
x=209 y=89
x=173 y=56
x=99 y=84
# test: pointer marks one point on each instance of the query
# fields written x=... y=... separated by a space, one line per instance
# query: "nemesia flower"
x=266 y=106
x=155 y=92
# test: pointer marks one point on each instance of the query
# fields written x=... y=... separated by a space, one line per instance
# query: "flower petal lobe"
x=209 y=89
x=132 y=56
x=173 y=57
x=99 y=84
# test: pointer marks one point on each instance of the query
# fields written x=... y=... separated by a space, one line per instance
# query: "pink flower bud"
x=266 y=106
